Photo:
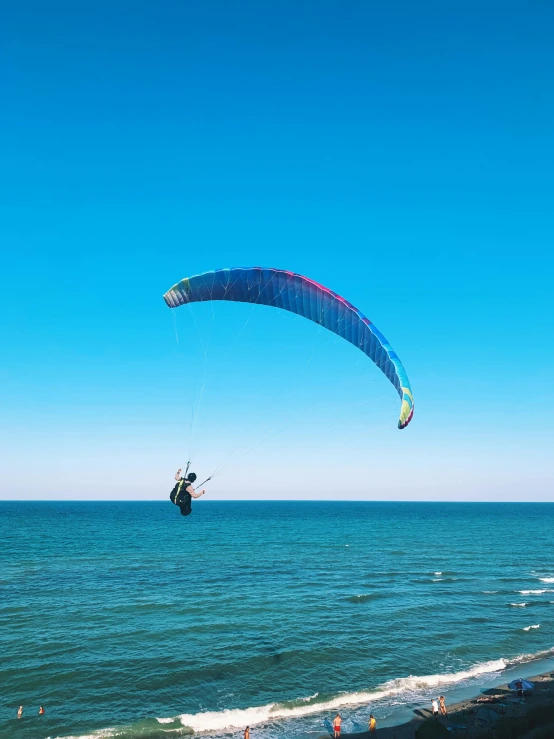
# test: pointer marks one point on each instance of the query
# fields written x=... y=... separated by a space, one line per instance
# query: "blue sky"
x=399 y=153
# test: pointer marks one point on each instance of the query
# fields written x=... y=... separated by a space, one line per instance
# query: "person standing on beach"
x=336 y=726
x=435 y=705
x=372 y=723
x=247 y=733
x=20 y=712
x=442 y=706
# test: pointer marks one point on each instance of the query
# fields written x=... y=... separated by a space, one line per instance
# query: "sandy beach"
x=496 y=712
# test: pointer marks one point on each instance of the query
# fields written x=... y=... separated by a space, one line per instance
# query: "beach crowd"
x=437 y=705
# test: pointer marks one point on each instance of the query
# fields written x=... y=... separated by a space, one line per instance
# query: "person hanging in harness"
x=183 y=492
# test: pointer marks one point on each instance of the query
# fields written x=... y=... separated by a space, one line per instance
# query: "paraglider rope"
x=233 y=456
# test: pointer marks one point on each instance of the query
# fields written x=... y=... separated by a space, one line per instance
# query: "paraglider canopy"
x=301 y=295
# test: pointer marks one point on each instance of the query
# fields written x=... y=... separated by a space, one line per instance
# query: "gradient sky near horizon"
x=401 y=154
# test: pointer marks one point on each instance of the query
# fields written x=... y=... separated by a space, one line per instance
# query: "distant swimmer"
x=336 y=726
x=183 y=492
x=372 y=723
x=247 y=733
x=41 y=711
x=20 y=712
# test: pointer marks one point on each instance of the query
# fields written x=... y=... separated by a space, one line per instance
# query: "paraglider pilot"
x=183 y=492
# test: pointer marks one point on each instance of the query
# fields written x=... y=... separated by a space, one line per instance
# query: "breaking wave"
x=239 y=718
x=412 y=687
x=536 y=592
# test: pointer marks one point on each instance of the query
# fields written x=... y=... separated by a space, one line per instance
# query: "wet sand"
x=476 y=716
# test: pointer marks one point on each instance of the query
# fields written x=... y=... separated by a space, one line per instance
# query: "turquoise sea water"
x=125 y=619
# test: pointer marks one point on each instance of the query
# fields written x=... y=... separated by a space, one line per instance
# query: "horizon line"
x=273 y=500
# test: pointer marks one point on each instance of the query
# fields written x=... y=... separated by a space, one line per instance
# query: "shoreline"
x=480 y=714
x=469 y=715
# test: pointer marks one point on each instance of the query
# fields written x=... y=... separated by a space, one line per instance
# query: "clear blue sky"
x=399 y=153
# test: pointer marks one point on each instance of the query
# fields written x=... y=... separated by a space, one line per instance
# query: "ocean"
x=127 y=620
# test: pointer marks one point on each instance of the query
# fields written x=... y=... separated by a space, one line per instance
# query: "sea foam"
x=213 y=721
x=238 y=718
x=535 y=592
x=100 y=734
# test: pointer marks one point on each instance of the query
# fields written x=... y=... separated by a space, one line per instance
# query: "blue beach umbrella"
x=520 y=684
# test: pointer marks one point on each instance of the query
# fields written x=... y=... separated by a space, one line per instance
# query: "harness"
x=176 y=492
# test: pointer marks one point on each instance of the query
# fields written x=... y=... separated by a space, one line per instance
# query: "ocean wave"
x=527 y=628
x=300 y=701
x=100 y=734
x=239 y=717
x=518 y=605
x=546 y=579
x=535 y=592
x=413 y=687
x=142 y=729
x=363 y=597
x=522 y=659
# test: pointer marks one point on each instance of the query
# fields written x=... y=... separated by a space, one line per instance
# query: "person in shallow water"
x=183 y=492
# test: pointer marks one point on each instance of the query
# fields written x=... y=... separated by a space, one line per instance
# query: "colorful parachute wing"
x=297 y=294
